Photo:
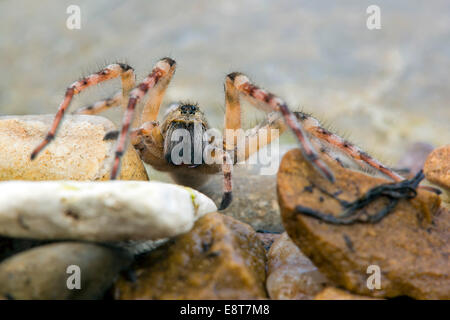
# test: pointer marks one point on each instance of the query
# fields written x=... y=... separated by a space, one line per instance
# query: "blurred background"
x=382 y=89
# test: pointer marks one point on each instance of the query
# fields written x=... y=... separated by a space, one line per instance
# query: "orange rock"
x=332 y=293
x=291 y=275
x=412 y=254
x=220 y=258
x=437 y=167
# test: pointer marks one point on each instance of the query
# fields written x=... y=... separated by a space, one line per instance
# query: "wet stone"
x=411 y=252
x=220 y=258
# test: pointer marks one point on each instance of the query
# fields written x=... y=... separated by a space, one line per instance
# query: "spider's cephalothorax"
x=159 y=144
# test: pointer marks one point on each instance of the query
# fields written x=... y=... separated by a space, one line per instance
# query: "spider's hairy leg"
x=156 y=95
x=163 y=68
x=314 y=128
x=100 y=106
x=227 y=168
x=110 y=72
x=271 y=102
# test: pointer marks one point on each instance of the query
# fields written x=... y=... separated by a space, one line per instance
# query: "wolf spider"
x=153 y=140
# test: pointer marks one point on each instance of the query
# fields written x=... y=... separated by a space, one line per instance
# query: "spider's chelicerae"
x=154 y=143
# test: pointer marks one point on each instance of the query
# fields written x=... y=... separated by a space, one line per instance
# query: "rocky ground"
x=285 y=236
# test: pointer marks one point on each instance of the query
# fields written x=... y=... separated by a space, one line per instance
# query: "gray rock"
x=41 y=273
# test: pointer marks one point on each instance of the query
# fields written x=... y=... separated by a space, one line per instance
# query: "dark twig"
x=405 y=189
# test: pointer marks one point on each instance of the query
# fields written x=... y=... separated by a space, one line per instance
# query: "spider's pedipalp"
x=243 y=85
x=110 y=72
x=162 y=71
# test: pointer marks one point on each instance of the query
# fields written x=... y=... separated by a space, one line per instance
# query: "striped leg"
x=110 y=72
x=351 y=150
x=163 y=69
x=155 y=96
x=312 y=126
x=269 y=102
x=102 y=105
x=261 y=134
x=227 y=168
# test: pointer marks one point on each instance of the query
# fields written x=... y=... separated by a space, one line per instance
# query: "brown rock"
x=77 y=153
x=437 y=167
x=267 y=238
x=411 y=253
x=332 y=293
x=291 y=275
x=220 y=258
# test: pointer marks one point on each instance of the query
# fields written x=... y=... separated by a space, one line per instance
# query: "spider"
x=154 y=143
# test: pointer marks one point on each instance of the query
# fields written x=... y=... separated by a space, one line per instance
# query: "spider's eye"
x=188 y=109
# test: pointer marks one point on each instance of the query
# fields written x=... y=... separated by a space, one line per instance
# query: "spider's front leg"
x=236 y=84
x=110 y=72
x=155 y=83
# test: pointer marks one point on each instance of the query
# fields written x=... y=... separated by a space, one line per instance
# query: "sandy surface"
x=382 y=88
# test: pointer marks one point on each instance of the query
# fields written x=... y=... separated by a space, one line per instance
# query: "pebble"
x=99 y=211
